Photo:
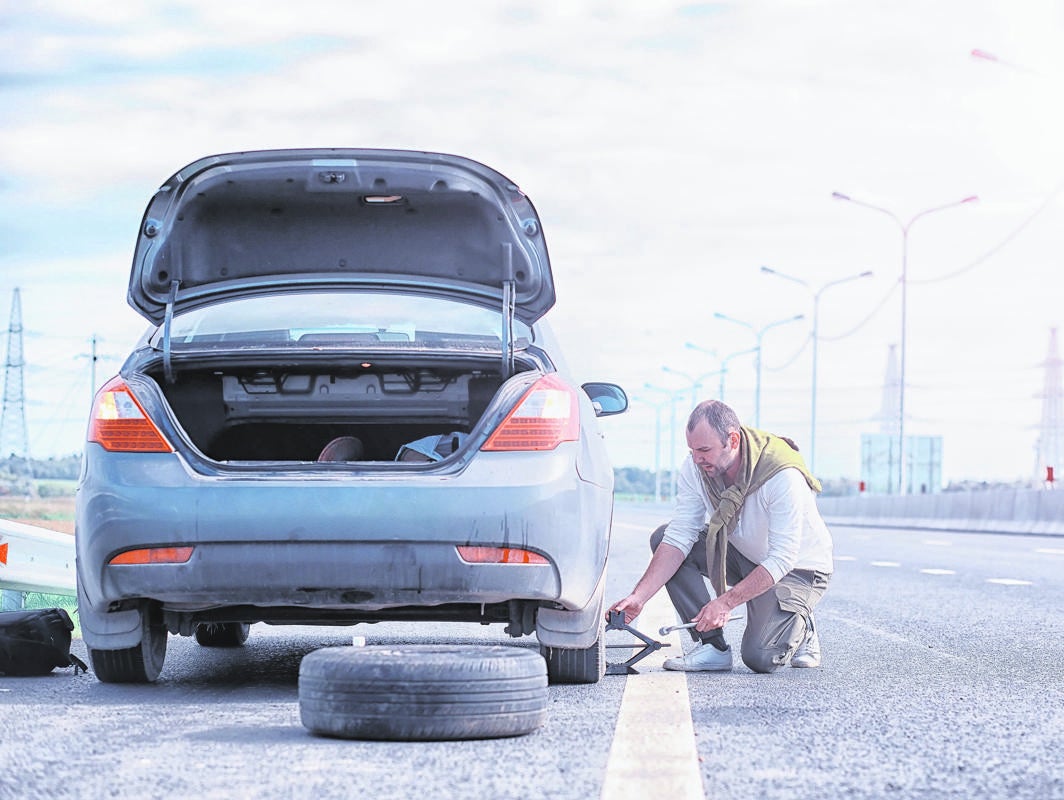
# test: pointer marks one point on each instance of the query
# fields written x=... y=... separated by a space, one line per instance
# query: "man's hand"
x=632 y=607
x=713 y=615
x=663 y=565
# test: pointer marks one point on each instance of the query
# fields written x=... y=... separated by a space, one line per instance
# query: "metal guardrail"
x=34 y=559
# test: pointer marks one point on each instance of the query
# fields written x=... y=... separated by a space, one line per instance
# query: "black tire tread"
x=119 y=666
x=428 y=692
x=129 y=665
x=586 y=665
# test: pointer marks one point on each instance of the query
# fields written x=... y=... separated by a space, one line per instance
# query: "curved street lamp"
x=759 y=333
x=904 y=227
x=696 y=383
x=723 y=371
x=816 y=339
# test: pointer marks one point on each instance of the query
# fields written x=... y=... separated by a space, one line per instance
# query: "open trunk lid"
x=238 y=224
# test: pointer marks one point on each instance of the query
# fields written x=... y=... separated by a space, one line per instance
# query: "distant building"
x=879 y=451
x=879 y=464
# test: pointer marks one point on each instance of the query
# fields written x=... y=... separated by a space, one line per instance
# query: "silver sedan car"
x=348 y=408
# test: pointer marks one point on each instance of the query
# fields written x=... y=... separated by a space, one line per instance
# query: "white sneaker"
x=704 y=658
x=807 y=656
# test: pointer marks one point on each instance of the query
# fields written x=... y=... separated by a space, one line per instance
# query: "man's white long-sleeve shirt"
x=779 y=525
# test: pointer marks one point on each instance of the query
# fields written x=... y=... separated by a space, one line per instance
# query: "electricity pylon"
x=13 y=438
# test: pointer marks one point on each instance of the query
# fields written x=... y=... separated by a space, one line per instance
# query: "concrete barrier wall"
x=993 y=511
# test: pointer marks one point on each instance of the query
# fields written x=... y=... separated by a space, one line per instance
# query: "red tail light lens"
x=154 y=555
x=472 y=554
x=547 y=415
x=119 y=424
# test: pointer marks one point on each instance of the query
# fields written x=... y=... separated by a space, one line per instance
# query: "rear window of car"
x=378 y=320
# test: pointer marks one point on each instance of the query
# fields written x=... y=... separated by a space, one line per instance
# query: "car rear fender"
x=117 y=630
x=571 y=630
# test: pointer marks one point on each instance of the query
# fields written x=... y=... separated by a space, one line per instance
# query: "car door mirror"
x=607 y=398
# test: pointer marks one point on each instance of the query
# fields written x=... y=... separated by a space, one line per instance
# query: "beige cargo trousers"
x=776 y=621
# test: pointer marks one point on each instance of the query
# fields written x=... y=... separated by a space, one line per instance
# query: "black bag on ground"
x=36 y=641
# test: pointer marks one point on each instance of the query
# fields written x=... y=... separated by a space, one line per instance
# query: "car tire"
x=222 y=634
x=422 y=692
x=140 y=664
x=584 y=665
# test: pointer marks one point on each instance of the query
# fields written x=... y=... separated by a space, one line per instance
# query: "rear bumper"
x=339 y=542
x=333 y=574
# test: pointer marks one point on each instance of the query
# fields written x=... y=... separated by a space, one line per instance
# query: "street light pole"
x=672 y=434
x=723 y=363
x=696 y=383
x=758 y=335
x=904 y=227
x=657 y=445
x=816 y=340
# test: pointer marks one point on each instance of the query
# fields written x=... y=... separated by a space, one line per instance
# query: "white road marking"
x=923 y=647
x=653 y=752
x=1009 y=582
x=938 y=572
x=1052 y=551
x=886 y=563
x=845 y=558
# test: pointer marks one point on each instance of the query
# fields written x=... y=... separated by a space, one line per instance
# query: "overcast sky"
x=671 y=148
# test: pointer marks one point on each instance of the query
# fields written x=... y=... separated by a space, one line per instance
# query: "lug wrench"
x=670 y=628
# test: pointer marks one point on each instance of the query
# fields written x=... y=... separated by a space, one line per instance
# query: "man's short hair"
x=717 y=415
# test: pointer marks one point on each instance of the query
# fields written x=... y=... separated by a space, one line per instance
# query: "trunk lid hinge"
x=509 y=293
x=168 y=369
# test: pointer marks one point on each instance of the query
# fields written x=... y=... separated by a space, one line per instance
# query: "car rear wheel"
x=222 y=634
x=422 y=692
x=585 y=665
x=140 y=664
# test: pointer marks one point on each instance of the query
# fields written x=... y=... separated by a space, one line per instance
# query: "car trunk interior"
x=292 y=413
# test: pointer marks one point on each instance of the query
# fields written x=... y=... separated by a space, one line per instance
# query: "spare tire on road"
x=423 y=692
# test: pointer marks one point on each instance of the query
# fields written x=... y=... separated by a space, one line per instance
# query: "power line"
x=956 y=273
x=993 y=250
x=868 y=317
x=793 y=357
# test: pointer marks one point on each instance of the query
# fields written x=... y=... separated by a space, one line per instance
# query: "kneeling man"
x=746 y=518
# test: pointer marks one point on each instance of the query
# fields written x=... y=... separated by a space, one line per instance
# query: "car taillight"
x=119 y=424
x=547 y=415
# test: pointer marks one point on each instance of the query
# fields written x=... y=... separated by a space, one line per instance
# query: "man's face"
x=713 y=456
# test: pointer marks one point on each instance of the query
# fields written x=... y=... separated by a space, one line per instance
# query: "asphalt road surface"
x=943 y=677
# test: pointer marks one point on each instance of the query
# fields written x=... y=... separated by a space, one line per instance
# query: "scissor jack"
x=615 y=622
